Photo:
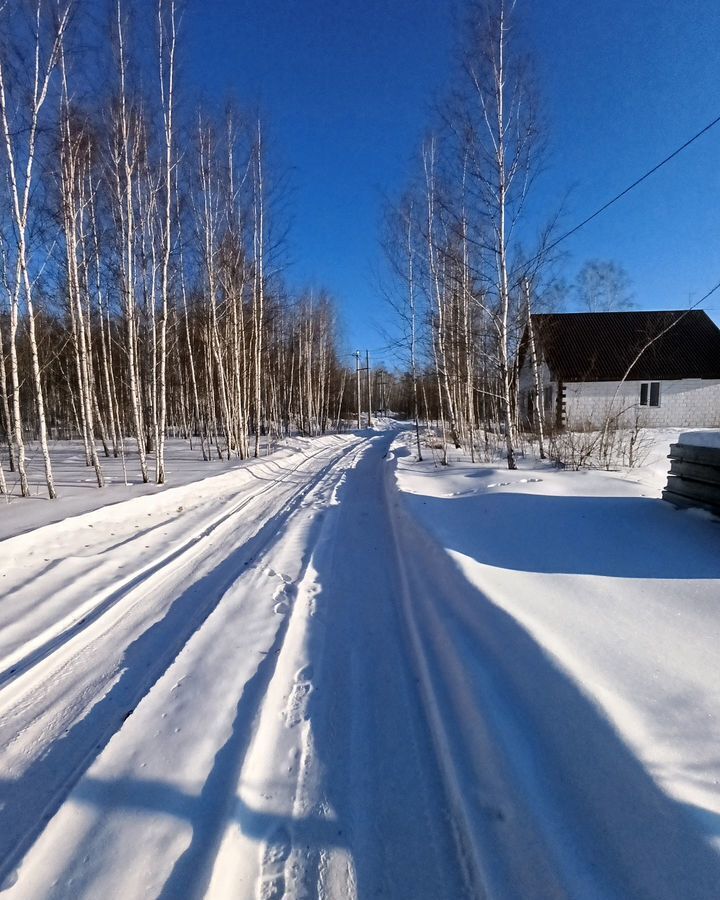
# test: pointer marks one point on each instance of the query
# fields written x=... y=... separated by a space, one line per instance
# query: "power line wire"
x=629 y=188
x=697 y=303
x=607 y=205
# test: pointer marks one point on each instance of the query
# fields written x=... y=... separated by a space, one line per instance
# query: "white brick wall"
x=690 y=402
x=686 y=403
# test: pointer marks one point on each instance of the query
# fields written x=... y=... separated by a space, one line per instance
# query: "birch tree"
x=167 y=38
x=532 y=348
x=141 y=284
x=20 y=113
x=73 y=167
x=400 y=243
x=501 y=142
x=3 y=370
x=259 y=268
x=602 y=285
x=436 y=273
x=126 y=149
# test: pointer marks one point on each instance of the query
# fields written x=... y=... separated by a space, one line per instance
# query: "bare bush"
x=611 y=447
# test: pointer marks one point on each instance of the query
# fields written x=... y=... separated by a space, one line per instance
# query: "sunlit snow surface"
x=338 y=672
x=590 y=627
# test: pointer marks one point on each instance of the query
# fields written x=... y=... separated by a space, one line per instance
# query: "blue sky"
x=347 y=88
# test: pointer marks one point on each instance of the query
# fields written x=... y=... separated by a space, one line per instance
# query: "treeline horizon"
x=472 y=256
x=141 y=283
x=143 y=237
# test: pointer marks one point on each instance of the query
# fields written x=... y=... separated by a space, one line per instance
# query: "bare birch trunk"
x=70 y=177
x=21 y=193
x=429 y=166
x=6 y=406
x=167 y=71
x=539 y=403
x=259 y=292
x=125 y=176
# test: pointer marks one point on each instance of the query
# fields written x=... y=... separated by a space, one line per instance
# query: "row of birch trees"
x=468 y=268
x=140 y=285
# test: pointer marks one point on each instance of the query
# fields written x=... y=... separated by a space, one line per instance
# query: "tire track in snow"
x=71 y=626
x=221 y=802
x=360 y=810
x=478 y=817
x=337 y=798
x=289 y=865
x=24 y=695
x=24 y=813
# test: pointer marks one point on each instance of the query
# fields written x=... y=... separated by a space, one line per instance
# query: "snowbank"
x=77 y=488
x=578 y=615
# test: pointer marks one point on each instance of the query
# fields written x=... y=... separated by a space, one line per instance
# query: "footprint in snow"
x=273 y=855
x=283 y=595
x=519 y=481
x=271 y=573
x=297 y=702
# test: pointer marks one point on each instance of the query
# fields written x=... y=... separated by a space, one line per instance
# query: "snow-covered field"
x=569 y=637
x=77 y=486
x=335 y=672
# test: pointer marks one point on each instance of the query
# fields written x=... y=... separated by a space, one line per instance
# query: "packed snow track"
x=328 y=674
x=209 y=696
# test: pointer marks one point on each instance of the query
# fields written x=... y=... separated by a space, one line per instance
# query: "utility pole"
x=357 y=374
x=369 y=396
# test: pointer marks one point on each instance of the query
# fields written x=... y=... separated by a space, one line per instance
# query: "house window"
x=547 y=398
x=650 y=393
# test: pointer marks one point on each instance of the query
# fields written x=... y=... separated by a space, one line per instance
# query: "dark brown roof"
x=601 y=346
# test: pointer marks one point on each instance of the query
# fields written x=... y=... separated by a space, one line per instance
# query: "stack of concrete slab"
x=694 y=479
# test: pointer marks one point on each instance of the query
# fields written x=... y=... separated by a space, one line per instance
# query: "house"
x=651 y=368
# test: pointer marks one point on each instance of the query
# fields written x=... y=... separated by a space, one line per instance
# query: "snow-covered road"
x=295 y=680
x=220 y=700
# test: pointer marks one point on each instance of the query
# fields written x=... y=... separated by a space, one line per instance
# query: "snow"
x=77 y=487
x=217 y=722
x=701 y=438
x=337 y=672
x=579 y=614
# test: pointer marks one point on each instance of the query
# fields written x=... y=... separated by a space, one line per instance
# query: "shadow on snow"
x=611 y=536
